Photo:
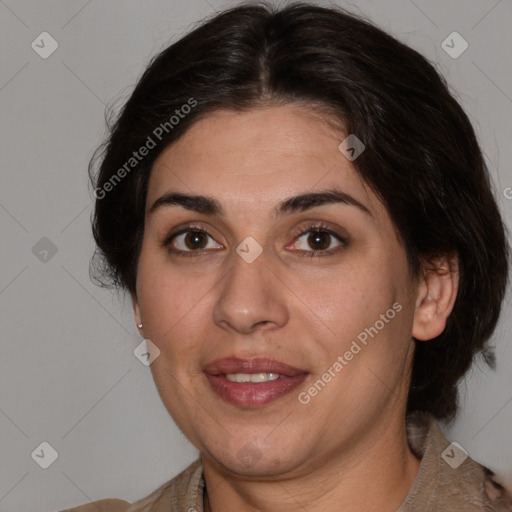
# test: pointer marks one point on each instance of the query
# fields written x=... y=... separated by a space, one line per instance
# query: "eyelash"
x=318 y=228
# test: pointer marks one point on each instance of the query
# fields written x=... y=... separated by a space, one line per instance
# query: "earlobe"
x=136 y=311
x=437 y=292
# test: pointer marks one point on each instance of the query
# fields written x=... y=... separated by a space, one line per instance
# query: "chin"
x=252 y=460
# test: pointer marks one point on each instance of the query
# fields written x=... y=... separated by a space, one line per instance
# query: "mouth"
x=252 y=382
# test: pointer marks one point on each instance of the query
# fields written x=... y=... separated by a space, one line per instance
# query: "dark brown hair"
x=422 y=158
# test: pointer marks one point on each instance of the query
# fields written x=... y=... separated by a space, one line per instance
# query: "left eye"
x=317 y=240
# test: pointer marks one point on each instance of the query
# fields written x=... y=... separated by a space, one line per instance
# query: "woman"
x=302 y=215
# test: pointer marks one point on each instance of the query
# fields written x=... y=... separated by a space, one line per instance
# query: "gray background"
x=67 y=369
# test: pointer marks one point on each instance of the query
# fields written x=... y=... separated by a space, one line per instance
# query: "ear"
x=136 y=310
x=437 y=292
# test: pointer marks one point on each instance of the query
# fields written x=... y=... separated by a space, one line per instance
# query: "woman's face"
x=273 y=263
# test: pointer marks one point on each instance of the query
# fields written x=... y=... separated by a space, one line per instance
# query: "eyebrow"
x=210 y=206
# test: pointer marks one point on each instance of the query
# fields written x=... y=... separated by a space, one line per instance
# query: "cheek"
x=168 y=299
x=353 y=299
x=370 y=306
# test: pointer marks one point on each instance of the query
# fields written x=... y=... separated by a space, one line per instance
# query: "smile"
x=252 y=382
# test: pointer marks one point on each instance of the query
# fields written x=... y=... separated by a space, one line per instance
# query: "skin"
x=304 y=311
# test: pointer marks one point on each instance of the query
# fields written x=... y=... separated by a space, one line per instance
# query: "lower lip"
x=250 y=394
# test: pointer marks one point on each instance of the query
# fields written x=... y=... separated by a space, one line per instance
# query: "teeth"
x=252 y=377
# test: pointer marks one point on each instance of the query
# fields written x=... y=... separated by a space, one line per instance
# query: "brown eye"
x=319 y=240
x=191 y=240
x=195 y=240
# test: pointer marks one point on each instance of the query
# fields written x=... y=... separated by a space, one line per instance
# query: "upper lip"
x=253 y=365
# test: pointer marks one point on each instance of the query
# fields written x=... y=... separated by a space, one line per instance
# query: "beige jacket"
x=467 y=486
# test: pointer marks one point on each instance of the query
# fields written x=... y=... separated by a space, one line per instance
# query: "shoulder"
x=108 y=505
x=182 y=492
x=449 y=479
x=496 y=491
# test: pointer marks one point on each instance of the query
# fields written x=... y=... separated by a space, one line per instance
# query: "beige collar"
x=437 y=487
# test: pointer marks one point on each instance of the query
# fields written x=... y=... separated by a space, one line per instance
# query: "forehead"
x=257 y=158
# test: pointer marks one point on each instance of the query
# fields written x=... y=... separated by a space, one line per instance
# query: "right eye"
x=189 y=241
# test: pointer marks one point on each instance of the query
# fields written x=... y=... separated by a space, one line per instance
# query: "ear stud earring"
x=139 y=326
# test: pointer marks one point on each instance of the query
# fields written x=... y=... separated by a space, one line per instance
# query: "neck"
x=375 y=475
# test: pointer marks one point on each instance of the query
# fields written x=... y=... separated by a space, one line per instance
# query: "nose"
x=251 y=298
